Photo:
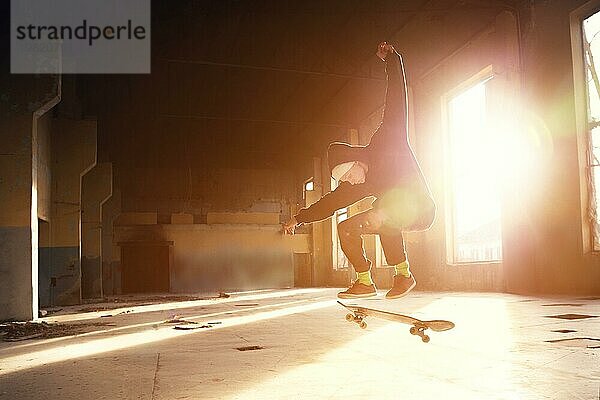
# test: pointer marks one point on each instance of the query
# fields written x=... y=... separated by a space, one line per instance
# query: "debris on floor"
x=19 y=331
x=119 y=313
x=587 y=342
x=249 y=348
x=184 y=324
x=188 y=327
x=96 y=309
x=176 y=319
x=571 y=316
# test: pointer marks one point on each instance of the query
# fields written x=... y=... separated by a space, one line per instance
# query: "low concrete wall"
x=60 y=277
x=136 y=218
x=224 y=257
x=242 y=218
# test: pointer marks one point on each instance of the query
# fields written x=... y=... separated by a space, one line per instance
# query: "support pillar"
x=18 y=293
x=96 y=189
x=73 y=153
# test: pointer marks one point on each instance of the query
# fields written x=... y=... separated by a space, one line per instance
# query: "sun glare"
x=475 y=188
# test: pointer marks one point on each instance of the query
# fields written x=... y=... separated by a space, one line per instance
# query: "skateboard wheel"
x=413 y=330
x=349 y=317
x=425 y=338
x=362 y=325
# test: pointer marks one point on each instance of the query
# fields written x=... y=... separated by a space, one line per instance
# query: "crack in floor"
x=155 y=375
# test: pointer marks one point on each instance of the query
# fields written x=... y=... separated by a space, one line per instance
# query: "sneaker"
x=402 y=285
x=358 y=290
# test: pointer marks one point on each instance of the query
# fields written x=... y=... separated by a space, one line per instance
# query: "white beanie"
x=339 y=170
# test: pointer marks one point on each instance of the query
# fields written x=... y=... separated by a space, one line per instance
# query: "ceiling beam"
x=257 y=120
x=271 y=69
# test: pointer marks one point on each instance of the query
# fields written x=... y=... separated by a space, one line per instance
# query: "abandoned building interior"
x=141 y=246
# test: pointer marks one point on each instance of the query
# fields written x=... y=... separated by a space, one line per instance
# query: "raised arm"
x=396 y=110
x=344 y=195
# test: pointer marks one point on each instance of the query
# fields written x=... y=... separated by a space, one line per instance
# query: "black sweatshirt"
x=394 y=176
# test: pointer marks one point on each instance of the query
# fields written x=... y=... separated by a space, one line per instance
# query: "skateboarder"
x=387 y=169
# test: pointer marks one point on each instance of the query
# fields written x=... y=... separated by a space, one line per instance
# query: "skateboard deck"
x=359 y=313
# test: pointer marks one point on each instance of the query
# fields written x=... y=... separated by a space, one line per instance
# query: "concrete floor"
x=498 y=350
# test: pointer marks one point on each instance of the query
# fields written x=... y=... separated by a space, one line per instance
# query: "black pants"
x=351 y=230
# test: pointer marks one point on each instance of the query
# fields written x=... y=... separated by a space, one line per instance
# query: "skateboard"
x=358 y=314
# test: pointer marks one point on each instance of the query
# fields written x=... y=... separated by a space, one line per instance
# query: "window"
x=591 y=54
x=473 y=197
x=339 y=258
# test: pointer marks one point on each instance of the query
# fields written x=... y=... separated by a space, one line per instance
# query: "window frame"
x=483 y=76
x=584 y=144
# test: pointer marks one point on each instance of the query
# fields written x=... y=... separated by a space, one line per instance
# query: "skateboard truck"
x=416 y=329
x=357 y=314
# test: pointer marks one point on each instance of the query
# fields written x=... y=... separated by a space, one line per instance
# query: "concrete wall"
x=201 y=190
x=252 y=199
x=558 y=256
x=16 y=294
x=223 y=256
x=24 y=174
x=73 y=152
x=63 y=150
x=168 y=166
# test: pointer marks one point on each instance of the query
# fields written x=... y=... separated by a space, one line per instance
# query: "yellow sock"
x=402 y=269
x=365 y=278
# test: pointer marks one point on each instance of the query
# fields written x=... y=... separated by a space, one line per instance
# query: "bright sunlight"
x=475 y=191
